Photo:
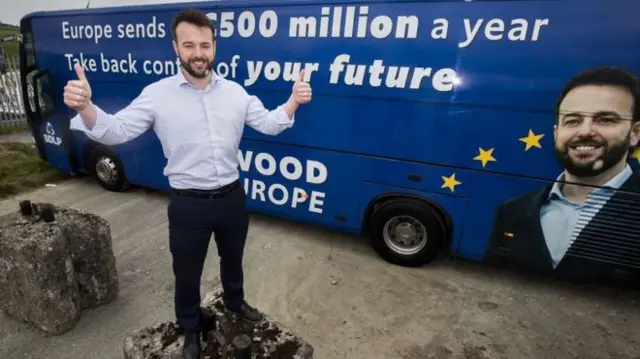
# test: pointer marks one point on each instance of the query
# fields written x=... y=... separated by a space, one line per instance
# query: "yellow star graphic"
x=532 y=140
x=450 y=182
x=485 y=156
x=636 y=154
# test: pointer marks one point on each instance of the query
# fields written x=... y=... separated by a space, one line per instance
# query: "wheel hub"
x=405 y=235
x=106 y=170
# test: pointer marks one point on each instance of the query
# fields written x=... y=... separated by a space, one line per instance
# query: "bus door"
x=50 y=128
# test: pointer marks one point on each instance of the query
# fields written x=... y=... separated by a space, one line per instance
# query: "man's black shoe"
x=247 y=313
x=191 y=348
x=208 y=324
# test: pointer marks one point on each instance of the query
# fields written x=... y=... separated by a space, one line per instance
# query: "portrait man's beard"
x=187 y=65
x=611 y=155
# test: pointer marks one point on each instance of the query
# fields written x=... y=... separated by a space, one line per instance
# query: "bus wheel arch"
x=106 y=167
x=407 y=230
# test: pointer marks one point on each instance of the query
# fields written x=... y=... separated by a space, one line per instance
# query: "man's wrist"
x=291 y=106
x=85 y=107
x=89 y=115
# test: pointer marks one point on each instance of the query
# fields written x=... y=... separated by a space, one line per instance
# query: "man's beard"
x=193 y=72
x=611 y=155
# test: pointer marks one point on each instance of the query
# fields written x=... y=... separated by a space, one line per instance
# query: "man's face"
x=194 y=45
x=594 y=130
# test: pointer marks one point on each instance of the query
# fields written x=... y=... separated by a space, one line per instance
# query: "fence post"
x=12 y=111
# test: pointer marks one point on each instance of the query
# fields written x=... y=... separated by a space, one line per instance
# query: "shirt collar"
x=181 y=80
x=615 y=183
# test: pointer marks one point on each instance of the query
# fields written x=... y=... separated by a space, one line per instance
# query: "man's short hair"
x=606 y=76
x=194 y=17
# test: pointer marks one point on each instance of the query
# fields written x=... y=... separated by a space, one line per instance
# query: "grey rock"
x=89 y=242
x=37 y=280
x=269 y=339
x=49 y=272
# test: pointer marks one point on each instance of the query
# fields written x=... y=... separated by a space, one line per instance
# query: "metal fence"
x=12 y=111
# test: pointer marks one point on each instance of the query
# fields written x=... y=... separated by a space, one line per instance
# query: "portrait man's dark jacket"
x=607 y=250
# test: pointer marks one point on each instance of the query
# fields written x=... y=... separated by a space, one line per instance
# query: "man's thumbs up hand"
x=77 y=93
x=80 y=73
x=301 y=75
x=301 y=90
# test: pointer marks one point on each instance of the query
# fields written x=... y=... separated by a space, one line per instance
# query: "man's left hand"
x=301 y=90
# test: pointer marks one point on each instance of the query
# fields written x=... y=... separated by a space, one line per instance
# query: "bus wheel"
x=108 y=169
x=406 y=232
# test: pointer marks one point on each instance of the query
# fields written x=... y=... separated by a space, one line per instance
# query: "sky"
x=12 y=14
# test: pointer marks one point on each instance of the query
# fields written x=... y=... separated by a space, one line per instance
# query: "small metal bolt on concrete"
x=45 y=211
x=233 y=339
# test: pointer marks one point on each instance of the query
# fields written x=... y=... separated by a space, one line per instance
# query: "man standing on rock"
x=199 y=118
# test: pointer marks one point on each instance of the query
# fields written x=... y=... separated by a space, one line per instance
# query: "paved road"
x=333 y=291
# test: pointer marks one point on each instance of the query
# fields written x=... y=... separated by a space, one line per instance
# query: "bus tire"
x=108 y=169
x=406 y=232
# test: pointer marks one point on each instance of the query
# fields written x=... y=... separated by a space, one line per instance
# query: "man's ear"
x=175 y=47
x=635 y=134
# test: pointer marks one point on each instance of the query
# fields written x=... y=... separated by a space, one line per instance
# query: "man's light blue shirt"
x=199 y=129
x=563 y=220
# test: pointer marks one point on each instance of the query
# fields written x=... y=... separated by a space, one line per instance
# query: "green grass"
x=21 y=169
x=11 y=48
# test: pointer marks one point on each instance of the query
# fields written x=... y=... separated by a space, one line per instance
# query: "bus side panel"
x=78 y=143
x=503 y=73
x=312 y=186
x=54 y=144
x=506 y=88
x=425 y=132
x=419 y=177
x=110 y=96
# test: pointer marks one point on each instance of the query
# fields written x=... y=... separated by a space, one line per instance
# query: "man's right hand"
x=77 y=93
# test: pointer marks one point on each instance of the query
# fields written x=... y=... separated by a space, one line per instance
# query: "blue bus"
x=498 y=131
